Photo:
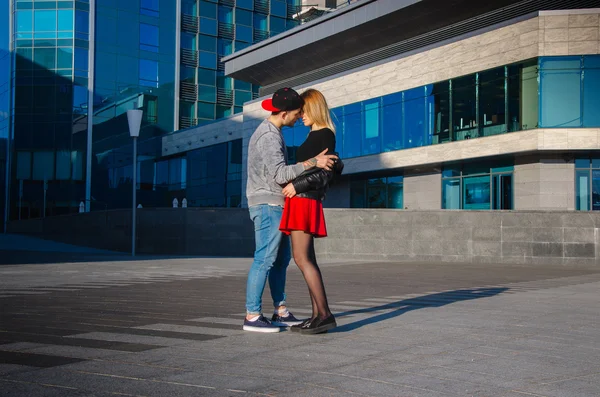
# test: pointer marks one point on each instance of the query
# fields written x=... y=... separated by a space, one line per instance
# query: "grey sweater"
x=268 y=171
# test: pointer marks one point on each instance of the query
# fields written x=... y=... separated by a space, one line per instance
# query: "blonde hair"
x=315 y=106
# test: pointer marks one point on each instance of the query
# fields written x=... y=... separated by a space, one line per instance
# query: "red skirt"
x=300 y=213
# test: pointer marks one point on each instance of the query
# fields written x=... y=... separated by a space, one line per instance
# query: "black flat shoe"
x=303 y=324
x=319 y=326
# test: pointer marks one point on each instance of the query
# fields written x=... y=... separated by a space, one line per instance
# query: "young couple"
x=286 y=201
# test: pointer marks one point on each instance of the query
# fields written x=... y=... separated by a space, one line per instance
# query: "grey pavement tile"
x=6 y=369
x=190 y=329
x=75 y=351
x=588 y=386
x=19 y=346
x=31 y=389
x=113 y=337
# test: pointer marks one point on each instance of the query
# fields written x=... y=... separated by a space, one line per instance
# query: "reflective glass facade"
x=134 y=67
x=570 y=91
x=50 y=83
x=211 y=30
x=478 y=186
x=587 y=184
x=492 y=102
x=4 y=102
x=377 y=192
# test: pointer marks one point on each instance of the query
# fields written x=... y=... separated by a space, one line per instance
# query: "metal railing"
x=190 y=23
x=189 y=57
x=260 y=35
x=224 y=96
x=226 y=30
x=261 y=6
x=188 y=91
x=187 y=122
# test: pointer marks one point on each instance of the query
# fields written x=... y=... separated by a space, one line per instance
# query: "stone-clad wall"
x=523 y=237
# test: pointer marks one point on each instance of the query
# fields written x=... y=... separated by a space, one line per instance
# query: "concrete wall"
x=175 y=231
x=527 y=237
x=524 y=237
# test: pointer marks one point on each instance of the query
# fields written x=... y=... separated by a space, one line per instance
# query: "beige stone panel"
x=583 y=34
x=541 y=22
x=552 y=49
x=526 y=202
x=553 y=202
x=554 y=187
x=556 y=21
x=554 y=139
x=556 y=35
x=583 y=20
x=583 y=139
x=583 y=47
x=529 y=38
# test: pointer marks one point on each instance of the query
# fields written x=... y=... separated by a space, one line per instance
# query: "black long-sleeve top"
x=314 y=182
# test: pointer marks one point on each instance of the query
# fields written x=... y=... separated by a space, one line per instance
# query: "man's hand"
x=289 y=190
x=322 y=160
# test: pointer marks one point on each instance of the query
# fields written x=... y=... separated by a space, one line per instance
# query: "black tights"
x=303 y=247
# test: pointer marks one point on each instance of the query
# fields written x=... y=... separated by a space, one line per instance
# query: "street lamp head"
x=134 y=118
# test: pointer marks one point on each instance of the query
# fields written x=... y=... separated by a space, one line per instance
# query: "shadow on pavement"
x=406 y=305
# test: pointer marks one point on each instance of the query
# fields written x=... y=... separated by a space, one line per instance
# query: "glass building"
x=70 y=58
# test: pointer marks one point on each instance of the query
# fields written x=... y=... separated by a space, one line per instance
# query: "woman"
x=303 y=211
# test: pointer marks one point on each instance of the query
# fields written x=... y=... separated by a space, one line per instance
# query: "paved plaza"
x=78 y=322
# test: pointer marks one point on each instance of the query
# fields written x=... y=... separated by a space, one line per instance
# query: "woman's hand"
x=289 y=190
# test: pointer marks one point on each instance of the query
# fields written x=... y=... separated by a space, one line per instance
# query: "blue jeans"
x=271 y=258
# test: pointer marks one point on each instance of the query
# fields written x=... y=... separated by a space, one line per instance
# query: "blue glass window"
x=276 y=25
x=464 y=107
x=414 y=117
x=81 y=58
x=148 y=37
x=207 y=94
x=208 y=10
x=206 y=110
x=560 y=92
x=225 y=14
x=395 y=192
x=188 y=41
x=45 y=21
x=240 y=45
x=392 y=122
x=149 y=7
x=278 y=8
x=65 y=20
x=591 y=91
x=242 y=97
x=242 y=85
x=582 y=190
x=148 y=73
x=352 y=130
x=207 y=77
x=45 y=57
x=64 y=58
x=82 y=21
x=24 y=21
x=260 y=22
x=243 y=17
x=208 y=26
x=246 y=4
x=371 y=139
x=451 y=194
x=224 y=47
x=243 y=33
x=208 y=43
x=188 y=7
x=208 y=60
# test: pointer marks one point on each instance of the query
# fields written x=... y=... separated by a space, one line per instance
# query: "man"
x=268 y=172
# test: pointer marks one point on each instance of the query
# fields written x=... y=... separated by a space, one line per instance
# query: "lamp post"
x=134 y=118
